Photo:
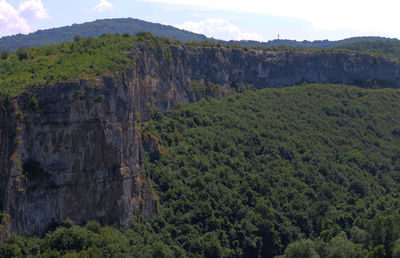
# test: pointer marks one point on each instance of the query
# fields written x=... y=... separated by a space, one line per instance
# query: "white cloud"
x=14 y=21
x=219 y=29
x=359 y=15
x=103 y=6
x=33 y=9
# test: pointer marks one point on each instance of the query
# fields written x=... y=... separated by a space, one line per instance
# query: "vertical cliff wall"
x=75 y=150
x=284 y=68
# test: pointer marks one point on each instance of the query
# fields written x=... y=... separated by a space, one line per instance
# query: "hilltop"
x=95 y=29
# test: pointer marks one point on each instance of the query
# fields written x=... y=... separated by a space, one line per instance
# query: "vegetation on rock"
x=86 y=57
x=94 y=57
x=388 y=48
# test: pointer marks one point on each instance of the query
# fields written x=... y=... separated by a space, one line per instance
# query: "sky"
x=260 y=20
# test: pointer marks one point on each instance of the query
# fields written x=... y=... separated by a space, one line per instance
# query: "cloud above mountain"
x=364 y=16
x=33 y=9
x=103 y=6
x=13 y=20
x=218 y=28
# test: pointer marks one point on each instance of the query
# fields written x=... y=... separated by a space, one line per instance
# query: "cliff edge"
x=75 y=150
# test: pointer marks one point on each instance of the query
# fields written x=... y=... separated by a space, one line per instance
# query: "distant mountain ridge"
x=95 y=29
x=132 y=26
x=317 y=44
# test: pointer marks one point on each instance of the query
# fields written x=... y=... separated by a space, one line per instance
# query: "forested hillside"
x=388 y=48
x=316 y=44
x=95 y=29
x=250 y=174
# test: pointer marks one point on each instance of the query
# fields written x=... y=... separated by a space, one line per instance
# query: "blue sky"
x=223 y=19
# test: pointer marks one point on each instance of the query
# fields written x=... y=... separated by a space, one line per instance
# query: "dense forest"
x=305 y=171
x=316 y=44
x=388 y=48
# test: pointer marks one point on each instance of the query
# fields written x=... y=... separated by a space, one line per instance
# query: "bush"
x=64 y=239
x=378 y=252
x=302 y=248
x=212 y=248
x=105 y=35
x=358 y=235
x=396 y=249
x=4 y=54
x=161 y=250
x=340 y=246
x=22 y=54
x=77 y=38
x=93 y=226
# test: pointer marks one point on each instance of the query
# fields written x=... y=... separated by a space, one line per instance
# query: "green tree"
x=4 y=54
x=161 y=250
x=340 y=247
x=378 y=252
x=22 y=54
x=302 y=248
x=396 y=249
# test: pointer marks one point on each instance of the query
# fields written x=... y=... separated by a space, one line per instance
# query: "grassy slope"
x=87 y=57
x=249 y=174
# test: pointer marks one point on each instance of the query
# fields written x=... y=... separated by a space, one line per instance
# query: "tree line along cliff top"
x=89 y=58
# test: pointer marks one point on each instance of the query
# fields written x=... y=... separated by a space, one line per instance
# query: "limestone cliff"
x=75 y=150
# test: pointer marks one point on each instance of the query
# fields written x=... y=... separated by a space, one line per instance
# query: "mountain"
x=198 y=150
x=133 y=26
x=95 y=29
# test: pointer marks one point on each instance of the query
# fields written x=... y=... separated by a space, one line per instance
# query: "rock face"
x=75 y=149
